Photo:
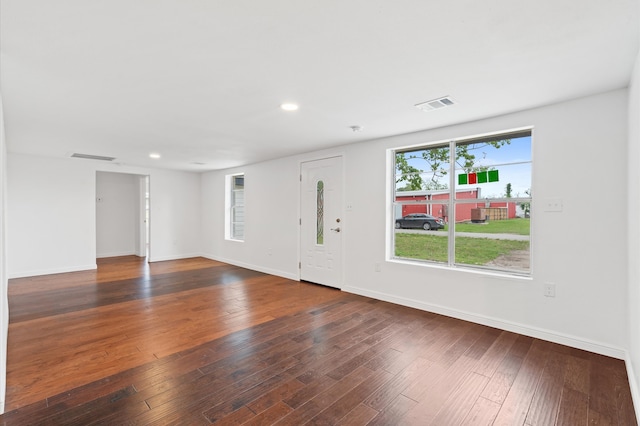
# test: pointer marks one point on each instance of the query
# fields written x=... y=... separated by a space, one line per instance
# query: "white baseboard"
x=269 y=271
x=38 y=272
x=526 y=330
x=173 y=257
x=116 y=254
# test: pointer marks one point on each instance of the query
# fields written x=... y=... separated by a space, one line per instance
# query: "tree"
x=434 y=157
x=437 y=160
x=410 y=174
x=526 y=206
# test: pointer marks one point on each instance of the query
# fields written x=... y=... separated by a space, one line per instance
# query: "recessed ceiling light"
x=289 y=107
x=154 y=155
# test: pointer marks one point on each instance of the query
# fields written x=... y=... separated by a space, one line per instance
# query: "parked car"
x=419 y=220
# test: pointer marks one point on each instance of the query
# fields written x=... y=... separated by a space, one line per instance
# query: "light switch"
x=553 y=205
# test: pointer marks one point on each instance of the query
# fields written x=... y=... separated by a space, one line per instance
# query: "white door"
x=142 y=244
x=321 y=222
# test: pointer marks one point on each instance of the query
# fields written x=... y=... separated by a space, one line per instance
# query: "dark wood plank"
x=394 y=387
x=483 y=413
x=324 y=399
x=516 y=405
x=195 y=341
x=458 y=406
x=394 y=413
x=105 y=340
x=574 y=408
x=270 y=415
x=276 y=396
x=439 y=387
x=360 y=415
x=55 y=302
x=352 y=400
x=546 y=400
x=492 y=358
x=500 y=384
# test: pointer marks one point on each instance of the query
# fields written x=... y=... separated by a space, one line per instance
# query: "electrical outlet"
x=377 y=267
x=550 y=290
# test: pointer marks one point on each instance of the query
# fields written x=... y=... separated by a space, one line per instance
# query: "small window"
x=235 y=207
x=320 y=213
x=466 y=203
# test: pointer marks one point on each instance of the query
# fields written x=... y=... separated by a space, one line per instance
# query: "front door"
x=321 y=222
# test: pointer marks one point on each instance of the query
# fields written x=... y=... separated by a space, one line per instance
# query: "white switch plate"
x=553 y=205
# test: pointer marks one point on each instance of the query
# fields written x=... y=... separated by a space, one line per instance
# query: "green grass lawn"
x=511 y=226
x=470 y=251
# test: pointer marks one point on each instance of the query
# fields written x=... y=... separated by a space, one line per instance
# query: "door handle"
x=335 y=229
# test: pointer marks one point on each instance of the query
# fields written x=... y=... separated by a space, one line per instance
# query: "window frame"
x=452 y=202
x=232 y=206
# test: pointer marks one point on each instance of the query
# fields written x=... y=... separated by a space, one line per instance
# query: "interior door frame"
x=143 y=229
x=341 y=209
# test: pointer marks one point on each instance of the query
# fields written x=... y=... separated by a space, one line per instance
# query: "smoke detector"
x=435 y=104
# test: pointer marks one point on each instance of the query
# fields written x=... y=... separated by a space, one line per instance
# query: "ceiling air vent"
x=435 y=104
x=92 y=157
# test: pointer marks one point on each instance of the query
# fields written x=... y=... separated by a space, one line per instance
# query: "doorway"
x=321 y=225
x=122 y=214
x=144 y=217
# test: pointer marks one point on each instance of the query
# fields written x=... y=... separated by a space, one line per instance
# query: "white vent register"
x=435 y=104
x=92 y=157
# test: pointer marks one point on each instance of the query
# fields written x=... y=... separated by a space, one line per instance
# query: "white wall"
x=633 y=229
x=4 y=303
x=52 y=214
x=117 y=214
x=579 y=154
x=581 y=255
x=271 y=217
x=175 y=215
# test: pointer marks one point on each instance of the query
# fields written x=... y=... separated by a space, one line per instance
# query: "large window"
x=235 y=207
x=465 y=203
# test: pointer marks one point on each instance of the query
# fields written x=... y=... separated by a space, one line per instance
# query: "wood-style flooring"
x=196 y=341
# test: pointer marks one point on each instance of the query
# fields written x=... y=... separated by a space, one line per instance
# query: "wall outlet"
x=549 y=290
x=377 y=267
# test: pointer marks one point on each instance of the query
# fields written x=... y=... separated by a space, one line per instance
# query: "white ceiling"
x=201 y=81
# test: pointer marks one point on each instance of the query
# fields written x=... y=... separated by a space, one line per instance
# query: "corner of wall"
x=4 y=303
x=633 y=243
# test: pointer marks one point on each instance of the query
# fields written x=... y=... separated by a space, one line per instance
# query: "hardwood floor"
x=197 y=341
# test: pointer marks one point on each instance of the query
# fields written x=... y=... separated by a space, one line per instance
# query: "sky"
x=519 y=175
